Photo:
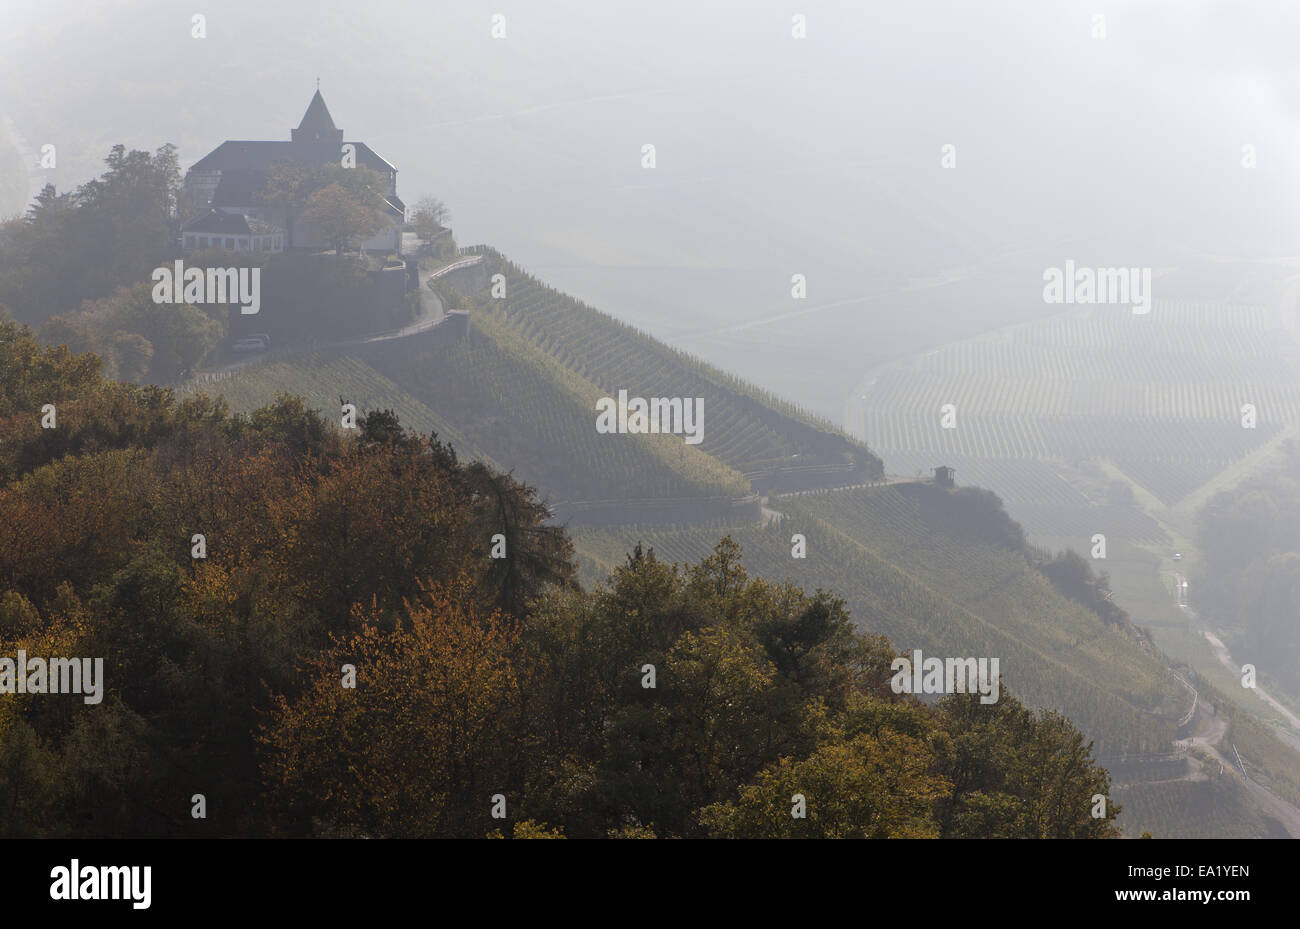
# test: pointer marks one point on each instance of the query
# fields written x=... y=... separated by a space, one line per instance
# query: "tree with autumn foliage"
x=421 y=742
x=341 y=218
x=309 y=627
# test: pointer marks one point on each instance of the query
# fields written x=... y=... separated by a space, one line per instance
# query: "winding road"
x=1225 y=658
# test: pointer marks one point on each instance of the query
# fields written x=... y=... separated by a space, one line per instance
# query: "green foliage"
x=370 y=551
x=341 y=217
x=1035 y=791
x=528 y=829
x=145 y=340
x=108 y=233
x=32 y=375
x=861 y=788
x=904 y=576
x=1073 y=576
x=290 y=509
x=344 y=202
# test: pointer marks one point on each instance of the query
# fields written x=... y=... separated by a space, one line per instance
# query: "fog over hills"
x=774 y=156
x=652 y=382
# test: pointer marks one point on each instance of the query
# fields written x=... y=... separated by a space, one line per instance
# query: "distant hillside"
x=1102 y=421
x=1158 y=398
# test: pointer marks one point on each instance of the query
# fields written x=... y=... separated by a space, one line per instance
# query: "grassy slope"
x=1200 y=809
x=321 y=379
x=532 y=413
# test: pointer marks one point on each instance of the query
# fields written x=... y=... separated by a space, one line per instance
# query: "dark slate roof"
x=217 y=222
x=260 y=156
x=317 y=118
x=242 y=189
x=238 y=188
x=260 y=226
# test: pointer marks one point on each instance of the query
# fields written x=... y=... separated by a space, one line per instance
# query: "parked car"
x=261 y=337
x=249 y=345
x=1178 y=556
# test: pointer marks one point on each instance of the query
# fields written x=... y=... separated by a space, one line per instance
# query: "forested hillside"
x=303 y=629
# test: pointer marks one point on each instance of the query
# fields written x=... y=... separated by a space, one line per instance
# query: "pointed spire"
x=317 y=125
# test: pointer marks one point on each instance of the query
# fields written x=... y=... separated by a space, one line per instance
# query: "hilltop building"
x=234 y=232
x=221 y=195
x=945 y=476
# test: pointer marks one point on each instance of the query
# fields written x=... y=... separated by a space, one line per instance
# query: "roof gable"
x=317 y=115
x=215 y=221
x=260 y=156
x=317 y=125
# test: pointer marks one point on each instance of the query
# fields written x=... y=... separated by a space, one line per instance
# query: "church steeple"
x=317 y=125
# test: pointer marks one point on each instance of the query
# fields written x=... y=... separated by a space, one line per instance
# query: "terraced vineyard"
x=1158 y=396
x=747 y=429
x=521 y=391
x=1208 y=809
x=495 y=403
x=533 y=414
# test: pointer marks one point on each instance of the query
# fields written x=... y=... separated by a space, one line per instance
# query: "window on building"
x=230 y=243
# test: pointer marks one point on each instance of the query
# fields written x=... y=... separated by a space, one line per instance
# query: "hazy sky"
x=774 y=155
